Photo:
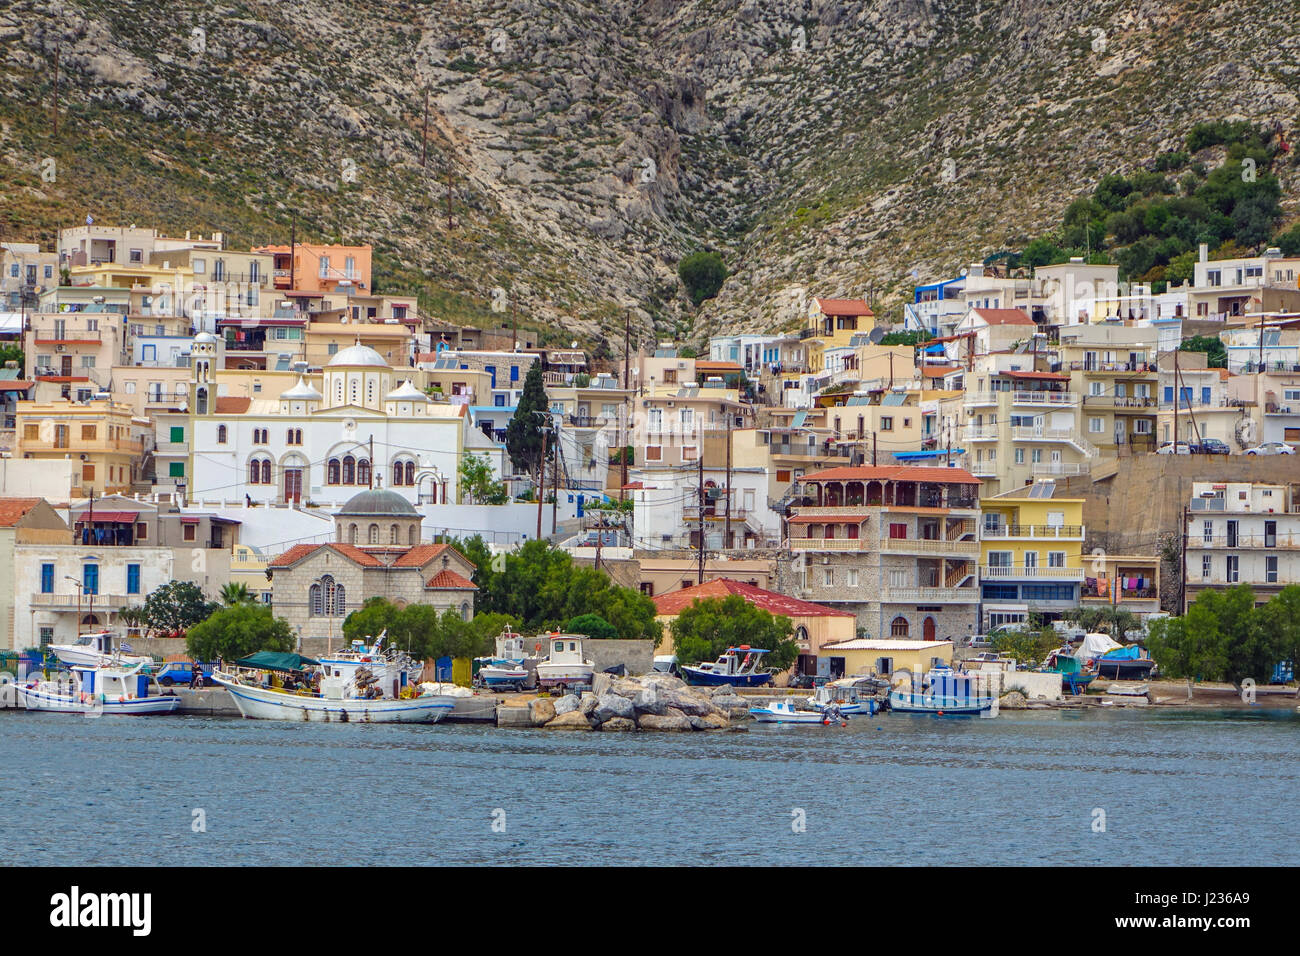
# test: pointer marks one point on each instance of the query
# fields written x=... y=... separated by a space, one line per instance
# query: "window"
x=374 y=534
x=87 y=472
x=1270 y=569
x=1205 y=567
x=176 y=469
x=88 y=361
x=886 y=423
x=188 y=532
x=332 y=472
x=898 y=627
x=133 y=579
x=828 y=577
x=363 y=471
x=1096 y=424
x=392 y=534
x=1056 y=559
x=349 y=470
x=1020 y=456
x=1232 y=574
x=47 y=579
x=324 y=271
x=200 y=266
x=221 y=434
x=141 y=531
x=90 y=579
x=327 y=598
x=177 y=434
x=1142 y=426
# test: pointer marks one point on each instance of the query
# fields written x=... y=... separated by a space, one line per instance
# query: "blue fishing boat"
x=1074 y=677
x=944 y=693
x=737 y=666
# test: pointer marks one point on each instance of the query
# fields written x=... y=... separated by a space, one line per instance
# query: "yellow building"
x=1030 y=554
x=886 y=657
x=327 y=339
x=104 y=435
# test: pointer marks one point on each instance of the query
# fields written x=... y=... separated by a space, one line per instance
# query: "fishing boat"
x=498 y=673
x=95 y=648
x=97 y=690
x=784 y=711
x=565 y=668
x=1114 y=661
x=366 y=684
x=738 y=666
x=851 y=696
x=1073 y=675
x=944 y=693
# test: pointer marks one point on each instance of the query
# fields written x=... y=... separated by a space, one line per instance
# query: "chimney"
x=1205 y=252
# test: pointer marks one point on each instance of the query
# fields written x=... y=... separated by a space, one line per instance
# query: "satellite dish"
x=573 y=344
x=875 y=335
x=964 y=270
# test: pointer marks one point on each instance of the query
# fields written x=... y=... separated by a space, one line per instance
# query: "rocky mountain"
x=823 y=146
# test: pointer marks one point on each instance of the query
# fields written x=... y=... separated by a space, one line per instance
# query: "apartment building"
x=1121 y=582
x=1199 y=400
x=1231 y=289
x=1242 y=533
x=104 y=435
x=25 y=273
x=313 y=267
x=1031 y=554
x=1114 y=370
x=897 y=546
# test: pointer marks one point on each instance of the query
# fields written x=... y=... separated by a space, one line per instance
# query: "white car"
x=1271 y=448
x=1175 y=448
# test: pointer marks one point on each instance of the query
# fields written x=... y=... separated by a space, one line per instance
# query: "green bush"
x=703 y=274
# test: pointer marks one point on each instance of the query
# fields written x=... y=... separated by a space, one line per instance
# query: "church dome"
x=205 y=338
x=406 y=392
x=302 y=392
x=378 y=502
x=358 y=355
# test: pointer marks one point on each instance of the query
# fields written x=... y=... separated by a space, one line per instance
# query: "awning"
x=922 y=455
x=276 y=661
x=189 y=520
x=111 y=517
x=826 y=519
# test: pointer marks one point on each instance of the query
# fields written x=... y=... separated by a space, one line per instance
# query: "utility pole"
x=873 y=449
x=600 y=533
x=726 y=532
x=424 y=142
x=541 y=485
x=293 y=246
x=1176 y=380
x=555 y=479
x=514 y=320
x=1182 y=574
x=700 y=574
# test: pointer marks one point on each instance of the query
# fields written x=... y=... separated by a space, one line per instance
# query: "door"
x=293 y=485
x=927 y=629
x=1120 y=432
x=66 y=366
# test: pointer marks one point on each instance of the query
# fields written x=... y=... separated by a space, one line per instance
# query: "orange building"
x=306 y=267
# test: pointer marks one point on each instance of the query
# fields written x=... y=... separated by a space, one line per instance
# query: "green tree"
x=1289 y=241
x=1211 y=345
x=703 y=274
x=12 y=353
x=906 y=337
x=711 y=625
x=593 y=625
x=172 y=608
x=233 y=593
x=524 y=432
x=1222 y=637
x=1029 y=646
x=1042 y=252
x=1181 y=269
x=376 y=615
x=478 y=481
x=234 y=632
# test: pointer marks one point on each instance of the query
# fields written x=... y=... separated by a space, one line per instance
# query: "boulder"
x=628 y=687
x=600 y=683
x=663 y=681
x=671 y=719
x=612 y=705
x=542 y=710
x=589 y=704
x=729 y=701
x=1013 y=700
x=619 y=723
x=690 y=704
x=567 y=703
x=573 y=720
x=709 y=722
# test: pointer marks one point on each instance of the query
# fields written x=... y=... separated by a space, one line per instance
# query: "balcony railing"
x=1136 y=594
x=966 y=595
x=982 y=398
x=1281 y=541
x=1065 y=531
x=829 y=544
x=1120 y=401
x=69 y=602
x=929 y=546
x=980 y=433
x=1061 y=468
x=1045 y=397
x=1002 y=572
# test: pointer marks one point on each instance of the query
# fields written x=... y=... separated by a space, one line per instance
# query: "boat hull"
x=91 y=705
x=766 y=715
x=258 y=703
x=693 y=675
x=553 y=675
x=905 y=703
x=1139 y=669
x=76 y=656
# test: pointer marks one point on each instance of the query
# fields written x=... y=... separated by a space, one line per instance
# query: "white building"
x=1242 y=533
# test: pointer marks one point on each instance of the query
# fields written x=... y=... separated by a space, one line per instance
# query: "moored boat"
x=98 y=690
x=784 y=711
x=943 y=693
x=1074 y=677
x=565 y=668
x=851 y=696
x=95 y=648
x=499 y=673
x=1114 y=661
x=737 y=666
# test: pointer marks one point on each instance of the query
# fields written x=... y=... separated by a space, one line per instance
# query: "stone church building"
x=376 y=553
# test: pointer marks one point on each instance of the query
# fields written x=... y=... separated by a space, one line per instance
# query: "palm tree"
x=233 y=594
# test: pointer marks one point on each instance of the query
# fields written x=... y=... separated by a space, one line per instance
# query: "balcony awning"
x=189 y=520
x=109 y=517
x=827 y=519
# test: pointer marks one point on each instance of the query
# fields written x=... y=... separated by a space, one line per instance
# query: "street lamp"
x=80 y=587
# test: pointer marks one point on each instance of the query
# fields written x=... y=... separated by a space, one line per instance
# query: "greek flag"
x=126 y=648
x=90 y=220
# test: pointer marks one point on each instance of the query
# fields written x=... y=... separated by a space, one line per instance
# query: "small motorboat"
x=498 y=673
x=95 y=648
x=851 y=696
x=784 y=711
x=565 y=668
x=738 y=666
x=99 y=690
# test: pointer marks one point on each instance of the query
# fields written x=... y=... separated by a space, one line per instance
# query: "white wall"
x=30 y=477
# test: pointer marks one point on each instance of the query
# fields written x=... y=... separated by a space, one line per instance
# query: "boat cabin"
x=113 y=682
x=565 y=649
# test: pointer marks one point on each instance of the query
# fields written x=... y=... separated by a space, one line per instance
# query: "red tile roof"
x=843 y=307
x=1004 y=316
x=678 y=601
x=12 y=510
x=230 y=405
x=422 y=554
x=352 y=552
x=956 y=476
x=446 y=580
x=937 y=371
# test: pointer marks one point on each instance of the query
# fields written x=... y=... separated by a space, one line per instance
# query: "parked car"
x=1212 y=446
x=1174 y=448
x=180 y=672
x=1271 y=448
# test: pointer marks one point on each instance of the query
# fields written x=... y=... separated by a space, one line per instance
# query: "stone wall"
x=636 y=656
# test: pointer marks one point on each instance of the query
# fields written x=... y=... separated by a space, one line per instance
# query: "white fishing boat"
x=565 y=668
x=99 y=690
x=498 y=673
x=94 y=648
x=366 y=684
x=784 y=711
x=851 y=696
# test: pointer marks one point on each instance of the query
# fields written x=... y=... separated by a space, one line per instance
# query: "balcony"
x=934 y=546
x=68 y=337
x=1065 y=532
x=1122 y=402
x=173 y=448
x=1282 y=542
x=86 y=446
x=1136 y=594
x=968 y=595
x=70 y=602
x=1112 y=367
x=830 y=544
x=980 y=433
x=990 y=572
x=982 y=398
x=1064 y=469
x=1045 y=398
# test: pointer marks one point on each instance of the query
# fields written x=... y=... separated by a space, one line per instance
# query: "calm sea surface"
x=1177 y=789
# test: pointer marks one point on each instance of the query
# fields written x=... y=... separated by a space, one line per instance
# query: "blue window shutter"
x=133 y=579
x=47 y=579
x=1169 y=393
